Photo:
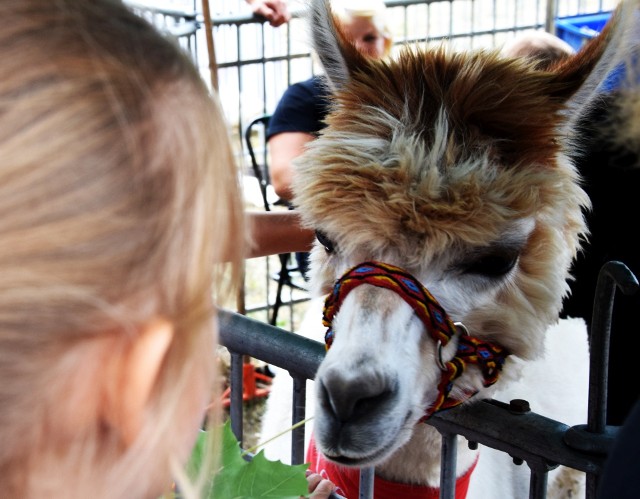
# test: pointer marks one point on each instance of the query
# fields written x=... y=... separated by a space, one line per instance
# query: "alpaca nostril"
x=354 y=398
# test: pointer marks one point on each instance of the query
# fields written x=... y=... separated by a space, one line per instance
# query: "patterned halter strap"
x=470 y=351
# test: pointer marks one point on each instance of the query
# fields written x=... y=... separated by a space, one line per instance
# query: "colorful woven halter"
x=470 y=351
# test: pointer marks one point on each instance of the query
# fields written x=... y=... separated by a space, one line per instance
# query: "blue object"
x=576 y=30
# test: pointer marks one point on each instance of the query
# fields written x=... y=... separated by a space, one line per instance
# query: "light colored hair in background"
x=540 y=47
x=117 y=194
x=346 y=10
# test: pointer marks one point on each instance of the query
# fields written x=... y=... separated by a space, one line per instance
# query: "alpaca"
x=448 y=213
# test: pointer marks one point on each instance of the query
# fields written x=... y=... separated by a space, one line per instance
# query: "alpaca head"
x=452 y=166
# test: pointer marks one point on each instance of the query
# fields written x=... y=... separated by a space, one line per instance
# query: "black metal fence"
x=508 y=426
x=256 y=62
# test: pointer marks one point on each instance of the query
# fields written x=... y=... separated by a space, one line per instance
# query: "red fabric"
x=347 y=480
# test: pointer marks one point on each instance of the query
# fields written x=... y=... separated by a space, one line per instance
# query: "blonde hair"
x=374 y=10
x=117 y=195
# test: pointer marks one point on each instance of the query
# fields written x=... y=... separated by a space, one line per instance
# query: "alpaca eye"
x=493 y=264
x=325 y=241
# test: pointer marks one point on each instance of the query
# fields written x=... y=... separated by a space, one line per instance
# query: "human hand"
x=274 y=11
x=319 y=488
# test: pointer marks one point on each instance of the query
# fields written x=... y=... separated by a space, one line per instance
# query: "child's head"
x=117 y=193
x=542 y=48
x=364 y=21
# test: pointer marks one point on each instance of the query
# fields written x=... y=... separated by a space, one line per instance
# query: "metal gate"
x=508 y=426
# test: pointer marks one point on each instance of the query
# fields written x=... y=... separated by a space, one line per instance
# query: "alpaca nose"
x=351 y=398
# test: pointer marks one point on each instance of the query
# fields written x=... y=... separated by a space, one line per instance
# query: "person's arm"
x=275 y=232
x=283 y=148
x=274 y=11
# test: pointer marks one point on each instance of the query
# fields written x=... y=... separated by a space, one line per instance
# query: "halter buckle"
x=460 y=328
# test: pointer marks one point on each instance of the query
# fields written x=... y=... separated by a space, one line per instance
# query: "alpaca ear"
x=338 y=56
x=610 y=60
x=133 y=376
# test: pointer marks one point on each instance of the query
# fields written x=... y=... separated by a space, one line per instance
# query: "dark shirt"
x=611 y=178
x=302 y=108
x=621 y=469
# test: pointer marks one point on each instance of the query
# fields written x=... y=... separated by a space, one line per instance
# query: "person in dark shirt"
x=300 y=114
x=609 y=166
x=611 y=177
x=621 y=468
x=302 y=109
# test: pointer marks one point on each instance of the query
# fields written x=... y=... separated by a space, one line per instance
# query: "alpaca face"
x=452 y=167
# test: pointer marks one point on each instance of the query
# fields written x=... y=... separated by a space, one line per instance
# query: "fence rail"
x=525 y=435
x=510 y=426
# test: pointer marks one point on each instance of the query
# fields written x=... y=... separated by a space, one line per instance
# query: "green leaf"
x=255 y=479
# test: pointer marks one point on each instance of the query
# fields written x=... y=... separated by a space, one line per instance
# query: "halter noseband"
x=470 y=350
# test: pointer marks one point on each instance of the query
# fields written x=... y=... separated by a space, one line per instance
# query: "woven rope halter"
x=470 y=350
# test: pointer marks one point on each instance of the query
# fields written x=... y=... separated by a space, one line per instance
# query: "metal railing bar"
x=164 y=11
x=538 y=481
x=261 y=308
x=367 y=477
x=183 y=29
x=528 y=436
x=261 y=60
x=470 y=34
x=550 y=22
x=612 y=275
x=270 y=344
x=298 y=413
x=448 y=466
x=236 y=402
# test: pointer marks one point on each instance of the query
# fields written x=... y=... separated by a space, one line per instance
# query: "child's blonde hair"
x=118 y=192
x=375 y=10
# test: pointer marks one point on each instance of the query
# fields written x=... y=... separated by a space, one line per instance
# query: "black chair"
x=289 y=274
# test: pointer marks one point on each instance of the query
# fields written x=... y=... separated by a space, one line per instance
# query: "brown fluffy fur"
x=498 y=163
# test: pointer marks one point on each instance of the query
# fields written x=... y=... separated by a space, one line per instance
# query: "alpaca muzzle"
x=487 y=356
